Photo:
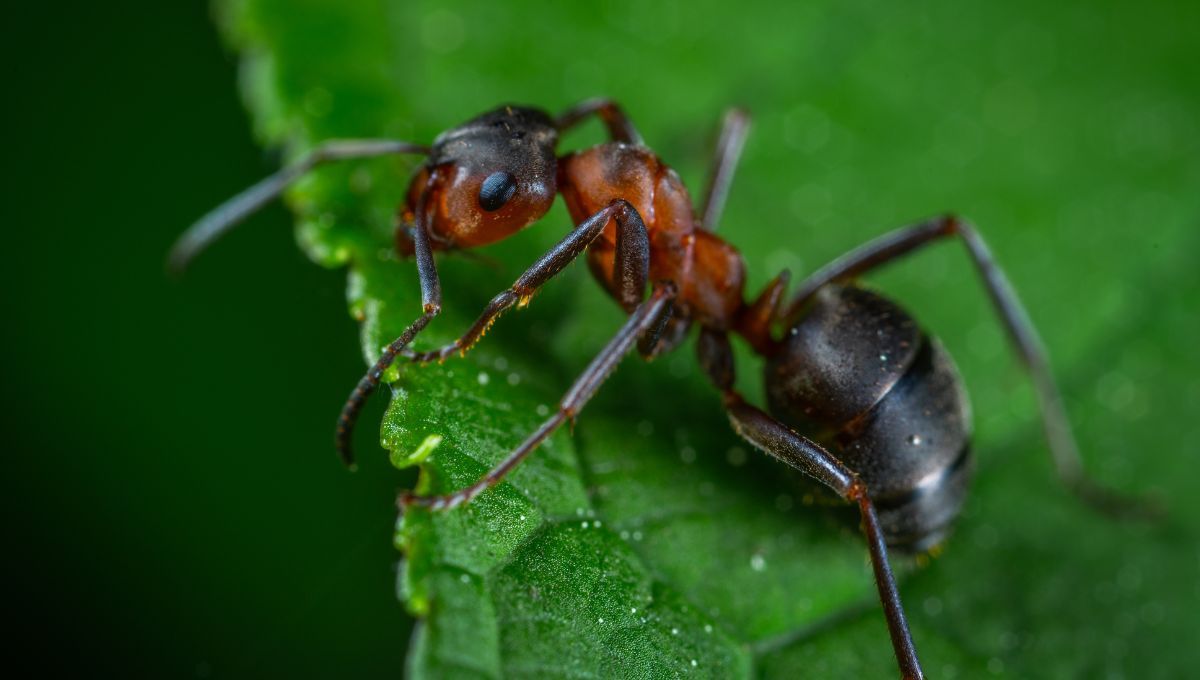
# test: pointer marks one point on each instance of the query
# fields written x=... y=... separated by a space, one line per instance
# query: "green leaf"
x=651 y=541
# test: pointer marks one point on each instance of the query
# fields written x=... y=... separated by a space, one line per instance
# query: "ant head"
x=490 y=177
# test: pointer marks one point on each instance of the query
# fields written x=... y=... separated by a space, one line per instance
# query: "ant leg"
x=631 y=267
x=646 y=318
x=431 y=306
x=725 y=158
x=895 y=244
x=754 y=322
x=620 y=128
x=224 y=217
x=782 y=443
x=779 y=441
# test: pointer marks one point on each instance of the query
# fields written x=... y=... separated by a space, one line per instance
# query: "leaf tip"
x=401 y=460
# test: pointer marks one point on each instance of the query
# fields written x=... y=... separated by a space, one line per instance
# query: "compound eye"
x=496 y=190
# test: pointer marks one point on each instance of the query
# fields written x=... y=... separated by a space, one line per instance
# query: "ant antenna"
x=224 y=217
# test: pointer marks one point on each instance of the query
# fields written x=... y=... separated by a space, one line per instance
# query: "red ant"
x=852 y=370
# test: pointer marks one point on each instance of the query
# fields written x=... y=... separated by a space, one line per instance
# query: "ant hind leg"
x=1063 y=448
x=782 y=443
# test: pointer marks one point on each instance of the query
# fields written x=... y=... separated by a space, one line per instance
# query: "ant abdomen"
x=858 y=373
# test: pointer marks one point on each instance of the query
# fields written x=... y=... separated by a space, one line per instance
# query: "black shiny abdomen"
x=859 y=375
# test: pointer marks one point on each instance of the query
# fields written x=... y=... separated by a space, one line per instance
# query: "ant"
x=860 y=398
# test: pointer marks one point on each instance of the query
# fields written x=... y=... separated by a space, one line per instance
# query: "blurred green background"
x=179 y=523
x=176 y=506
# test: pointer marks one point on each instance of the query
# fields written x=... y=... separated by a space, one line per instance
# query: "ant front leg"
x=620 y=128
x=431 y=306
x=896 y=244
x=784 y=444
x=631 y=267
x=647 y=320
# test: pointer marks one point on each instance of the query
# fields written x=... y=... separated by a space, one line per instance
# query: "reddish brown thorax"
x=709 y=272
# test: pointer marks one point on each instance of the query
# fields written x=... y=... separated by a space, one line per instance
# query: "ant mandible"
x=852 y=370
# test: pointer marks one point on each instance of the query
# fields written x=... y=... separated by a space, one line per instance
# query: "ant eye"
x=496 y=190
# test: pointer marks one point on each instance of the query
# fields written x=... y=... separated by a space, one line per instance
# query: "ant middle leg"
x=728 y=150
x=631 y=267
x=1063 y=448
x=647 y=319
x=782 y=443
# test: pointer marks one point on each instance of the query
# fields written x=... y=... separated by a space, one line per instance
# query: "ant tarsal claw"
x=405 y=500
